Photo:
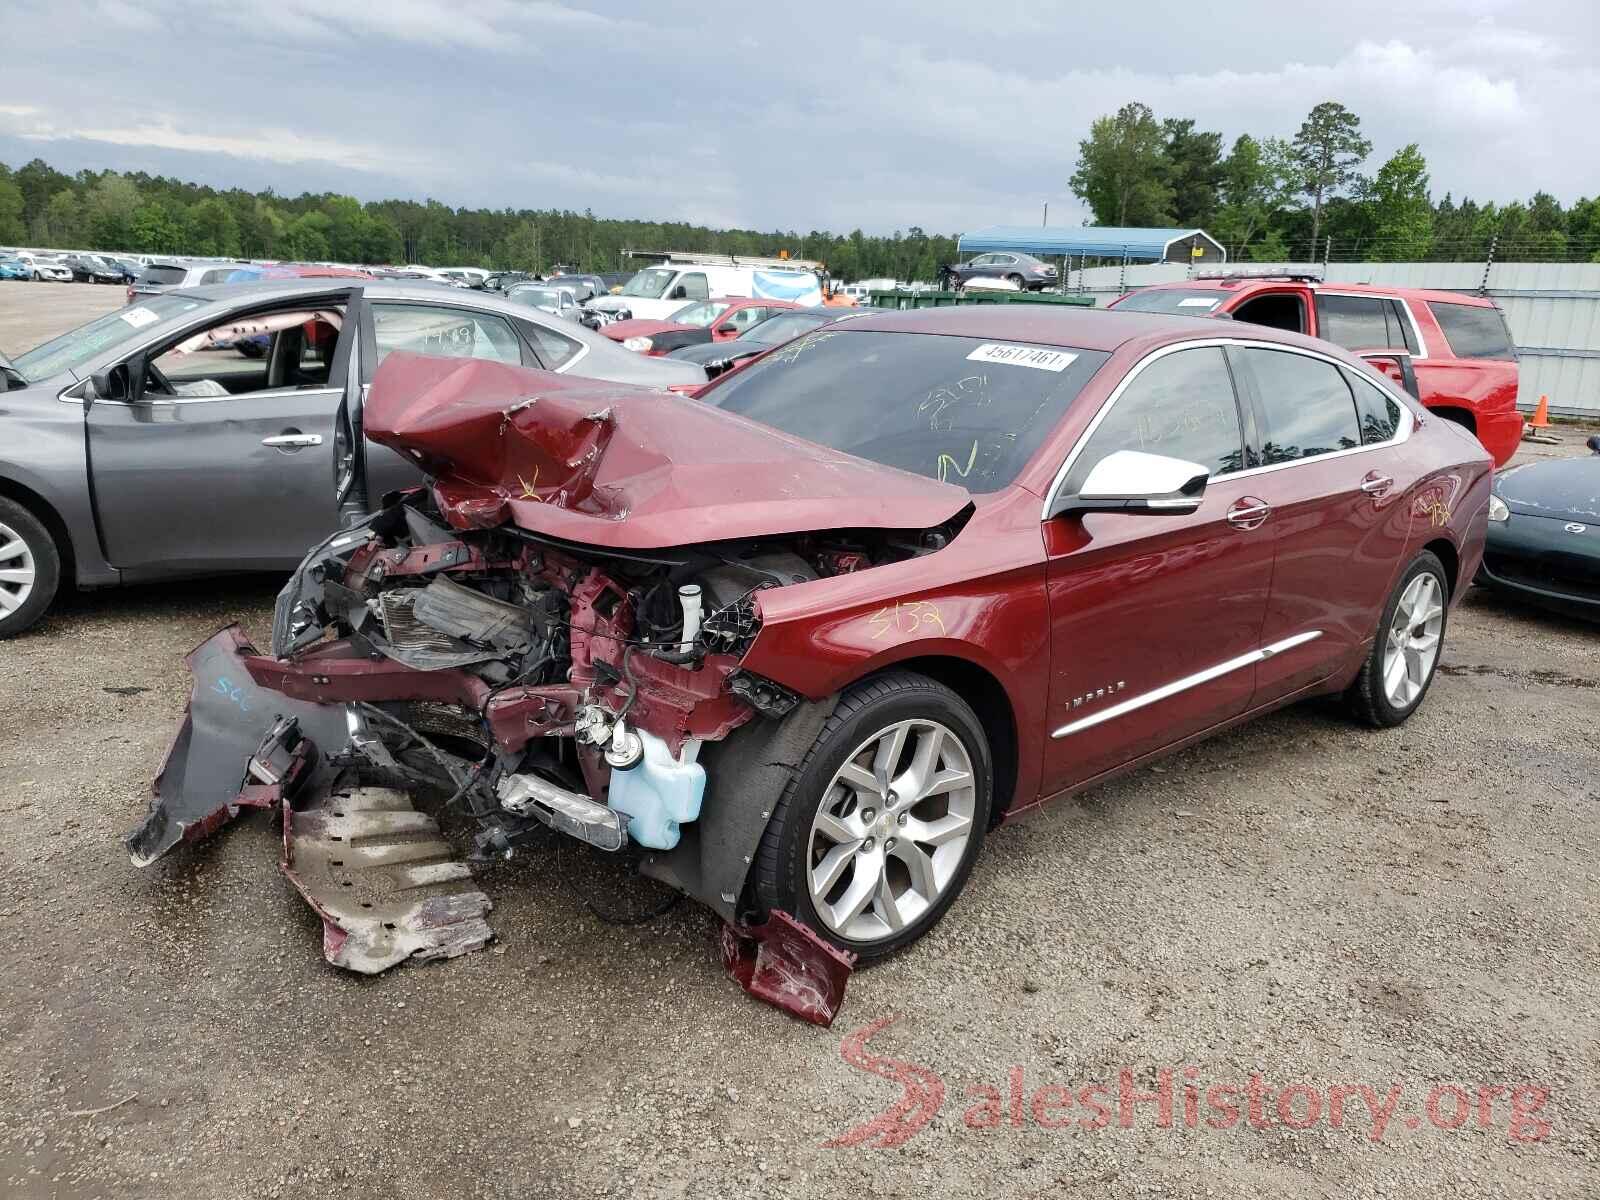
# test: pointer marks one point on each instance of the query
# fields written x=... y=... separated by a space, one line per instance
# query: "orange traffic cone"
x=1541 y=415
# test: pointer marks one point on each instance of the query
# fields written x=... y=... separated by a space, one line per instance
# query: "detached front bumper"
x=215 y=765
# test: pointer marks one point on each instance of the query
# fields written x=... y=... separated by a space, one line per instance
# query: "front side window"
x=956 y=409
x=1305 y=403
x=1474 y=330
x=699 y=314
x=445 y=331
x=1181 y=405
x=752 y=314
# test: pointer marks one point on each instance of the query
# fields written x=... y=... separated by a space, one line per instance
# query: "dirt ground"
x=1301 y=900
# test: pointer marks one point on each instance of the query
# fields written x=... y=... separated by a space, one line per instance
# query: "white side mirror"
x=1133 y=481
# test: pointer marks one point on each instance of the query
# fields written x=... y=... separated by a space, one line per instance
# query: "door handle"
x=1375 y=484
x=1248 y=513
x=292 y=441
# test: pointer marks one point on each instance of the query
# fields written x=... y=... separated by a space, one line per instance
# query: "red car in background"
x=1451 y=351
x=694 y=324
x=795 y=647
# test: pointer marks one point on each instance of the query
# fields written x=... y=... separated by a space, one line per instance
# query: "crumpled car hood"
x=624 y=467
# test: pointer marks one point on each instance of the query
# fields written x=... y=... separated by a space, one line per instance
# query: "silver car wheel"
x=891 y=830
x=1412 y=645
x=17 y=571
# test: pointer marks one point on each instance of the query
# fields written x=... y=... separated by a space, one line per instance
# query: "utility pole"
x=1046 y=219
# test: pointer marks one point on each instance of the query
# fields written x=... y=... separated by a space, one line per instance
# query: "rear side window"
x=553 y=348
x=1474 y=330
x=694 y=287
x=1378 y=411
x=1181 y=405
x=163 y=276
x=1305 y=403
x=1356 y=322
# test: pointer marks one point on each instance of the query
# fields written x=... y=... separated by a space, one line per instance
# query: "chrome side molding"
x=1134 y=703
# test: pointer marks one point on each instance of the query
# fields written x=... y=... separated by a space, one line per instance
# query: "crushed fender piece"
x=787 y=965
x=228 y=723
x=383 y=880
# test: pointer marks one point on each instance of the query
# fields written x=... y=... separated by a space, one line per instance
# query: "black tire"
x=780 y=874
x=1367 y=698
x=46 y=567
x=1022 y=284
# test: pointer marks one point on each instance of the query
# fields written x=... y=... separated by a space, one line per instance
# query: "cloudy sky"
x=879 y=114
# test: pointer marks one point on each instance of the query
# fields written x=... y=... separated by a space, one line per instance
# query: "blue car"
x=15 y=268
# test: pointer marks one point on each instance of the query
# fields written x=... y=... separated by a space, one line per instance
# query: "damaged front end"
x=462 y=643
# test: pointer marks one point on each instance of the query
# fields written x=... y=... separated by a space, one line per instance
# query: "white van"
x=655 y=293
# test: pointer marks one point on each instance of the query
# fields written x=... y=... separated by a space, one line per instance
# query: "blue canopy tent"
x=1097 y=241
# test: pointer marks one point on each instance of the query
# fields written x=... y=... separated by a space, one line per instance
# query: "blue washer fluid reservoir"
x=659 y=792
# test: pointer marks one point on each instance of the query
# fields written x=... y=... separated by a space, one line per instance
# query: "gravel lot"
x=1302 y=898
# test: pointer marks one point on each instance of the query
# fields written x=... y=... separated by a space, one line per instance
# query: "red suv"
x=1453 y=352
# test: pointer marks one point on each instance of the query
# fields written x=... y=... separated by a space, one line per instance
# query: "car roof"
x=1060 y=325
x=1246 y=283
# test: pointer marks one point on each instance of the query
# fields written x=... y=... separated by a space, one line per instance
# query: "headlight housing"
x=637 y=344
x=1497 y=509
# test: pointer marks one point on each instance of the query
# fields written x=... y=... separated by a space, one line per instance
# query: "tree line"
x=1302 y=198
x=1266 y=199
x=43 y=208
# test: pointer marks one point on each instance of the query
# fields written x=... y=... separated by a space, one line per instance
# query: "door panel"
x=189 y=485
x=213 y=481
x=1338 y=518
x=1156 y=619
x=1138 y=604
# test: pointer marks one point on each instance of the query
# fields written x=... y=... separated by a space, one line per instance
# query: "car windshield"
x=776 y=330
x=649 y=283
x=699 y=314
x=1185 y=302
x=956 y=409
x=72 y=350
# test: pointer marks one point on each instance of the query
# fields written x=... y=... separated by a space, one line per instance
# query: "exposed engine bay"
x=537 y=683
x=542 y=639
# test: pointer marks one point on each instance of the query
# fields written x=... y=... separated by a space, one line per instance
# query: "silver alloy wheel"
x=1412 y=645
x=891 y=830
x=17 y=571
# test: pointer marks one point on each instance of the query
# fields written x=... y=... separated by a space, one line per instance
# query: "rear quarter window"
x=1474 y=330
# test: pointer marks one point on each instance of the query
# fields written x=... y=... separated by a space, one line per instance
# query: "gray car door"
x=193 y=477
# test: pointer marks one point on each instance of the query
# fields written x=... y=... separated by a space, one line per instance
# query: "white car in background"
x=655 y=293
x=47 y=268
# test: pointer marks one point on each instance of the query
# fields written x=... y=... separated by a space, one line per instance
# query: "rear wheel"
x=1405 y=653
x=1022 y=284
x=30 y=568
x=876 y=835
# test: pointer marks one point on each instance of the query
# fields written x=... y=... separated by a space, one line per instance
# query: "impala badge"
x=1110 y=689
x=1574 y=527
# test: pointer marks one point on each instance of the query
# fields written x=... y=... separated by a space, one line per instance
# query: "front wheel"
x=876 y=834
x=1405 y=654
x=30 y=568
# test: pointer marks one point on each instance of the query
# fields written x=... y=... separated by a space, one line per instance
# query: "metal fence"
x=1553 y=310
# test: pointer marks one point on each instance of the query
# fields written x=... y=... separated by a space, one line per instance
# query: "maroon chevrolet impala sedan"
x=796 y=646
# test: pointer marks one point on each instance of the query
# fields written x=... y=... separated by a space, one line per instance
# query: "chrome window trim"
x=175 y=401
x=1188 y=682
x=1244 y=343
x=1416 y=329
